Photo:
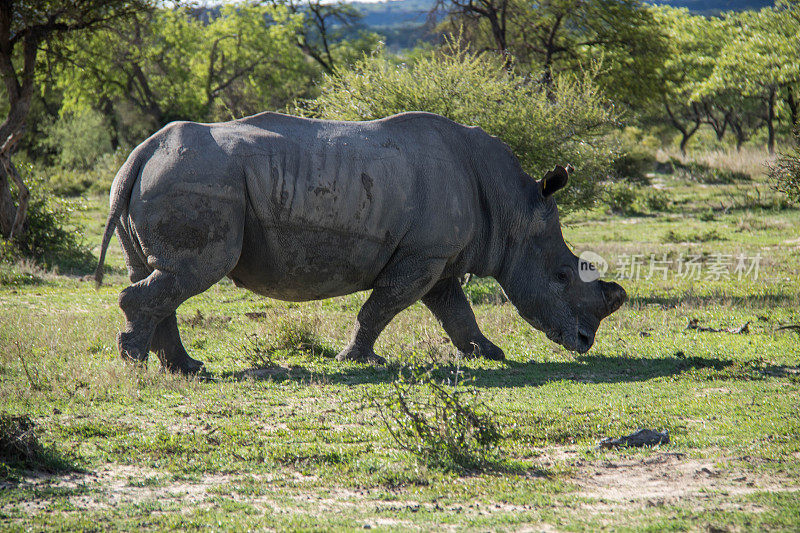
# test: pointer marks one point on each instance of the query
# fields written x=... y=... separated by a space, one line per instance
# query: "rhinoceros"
x=300 y=209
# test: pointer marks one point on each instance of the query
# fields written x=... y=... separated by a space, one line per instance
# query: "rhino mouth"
x=578 y=340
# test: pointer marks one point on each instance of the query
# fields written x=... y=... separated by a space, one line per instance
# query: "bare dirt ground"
x=668 y=477
x=660 y=478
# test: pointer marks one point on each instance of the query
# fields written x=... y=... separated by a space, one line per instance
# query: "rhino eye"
x=564 y=275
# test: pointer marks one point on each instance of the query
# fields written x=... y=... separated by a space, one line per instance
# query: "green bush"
x=620 y=197
x=564 y=125
x=634 y=160
x=48 y=238
x=78 y=140
x=484 y=291
x=444 y=422
x=633 y=164
x=785 y=174
x=96 y=180
x=656 y=200
x=286 y=337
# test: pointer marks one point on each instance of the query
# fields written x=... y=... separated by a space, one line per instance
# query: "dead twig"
x=695 y=324
x=793 y=327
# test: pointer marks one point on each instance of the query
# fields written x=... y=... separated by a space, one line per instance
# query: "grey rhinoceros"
x=300 y=209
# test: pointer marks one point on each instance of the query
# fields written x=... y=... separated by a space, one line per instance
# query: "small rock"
x=643 y=437
x=707 y=471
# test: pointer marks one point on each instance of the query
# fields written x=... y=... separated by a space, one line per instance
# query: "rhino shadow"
x=583 y=369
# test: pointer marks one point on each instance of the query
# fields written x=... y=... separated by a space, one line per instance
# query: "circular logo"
x=591 y=266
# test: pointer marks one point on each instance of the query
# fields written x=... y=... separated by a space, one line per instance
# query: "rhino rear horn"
x=555 y=179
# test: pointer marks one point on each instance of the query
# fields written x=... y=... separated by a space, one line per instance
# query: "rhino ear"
x=555 y=179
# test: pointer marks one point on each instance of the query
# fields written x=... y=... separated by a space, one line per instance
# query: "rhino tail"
x=120 y=198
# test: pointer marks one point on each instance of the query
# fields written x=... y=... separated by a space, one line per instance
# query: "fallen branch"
x=695 y=324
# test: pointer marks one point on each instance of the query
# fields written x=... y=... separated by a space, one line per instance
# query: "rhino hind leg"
x=145 y=305
x=166 y=344
x=150 y=323
x=450 y=306
x=395 y=291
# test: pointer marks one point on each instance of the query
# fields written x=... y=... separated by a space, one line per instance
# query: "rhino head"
x=542 y=277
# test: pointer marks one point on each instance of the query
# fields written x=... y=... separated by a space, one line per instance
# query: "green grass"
x=282 y=436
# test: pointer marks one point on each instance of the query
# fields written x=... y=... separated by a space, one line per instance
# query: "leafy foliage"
x=49 y=240
x=445 y=423
x=79 y=140
x=172 y=65
x=20 y=448
x=542 y=128
x=785 y=174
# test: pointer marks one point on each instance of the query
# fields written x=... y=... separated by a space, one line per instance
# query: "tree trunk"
x=771 y=122
x=8 y=209
x=107 y=108
x=685 y=136
x=12 y=216
x=18 y=225
x=740 y=137
x=793 y=111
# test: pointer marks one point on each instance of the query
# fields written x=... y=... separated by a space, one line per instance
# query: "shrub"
x=484 y=291
x=78 y=140
x=444 y=423
x=785 y=174
x=633 y=164
x=619 y=197
x=286 y=337
x=20 y=448
x=96 y=180
x=48 y=240
x=543 y=128
x=634 y=160
x=656 y=200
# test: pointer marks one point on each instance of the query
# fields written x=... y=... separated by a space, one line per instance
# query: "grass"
x=283 y=436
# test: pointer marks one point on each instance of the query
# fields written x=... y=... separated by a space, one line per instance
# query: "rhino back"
x=329 y=203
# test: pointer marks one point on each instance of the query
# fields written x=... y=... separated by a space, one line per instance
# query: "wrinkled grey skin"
x=300 y=209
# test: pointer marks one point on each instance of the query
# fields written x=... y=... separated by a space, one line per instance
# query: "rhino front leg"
x=392 y=294
x=449 y=305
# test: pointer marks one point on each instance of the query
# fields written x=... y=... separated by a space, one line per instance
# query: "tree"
x=546 y=37
x=322 y=36
x=25 y=28
x=760 y=59
x=695 y=46
x=170 y=64
x=494 y=13
x=477 y=89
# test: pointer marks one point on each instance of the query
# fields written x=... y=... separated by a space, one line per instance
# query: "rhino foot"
x=360 y=355
x=129 y=353
x=187 y=367
x=487 y=350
